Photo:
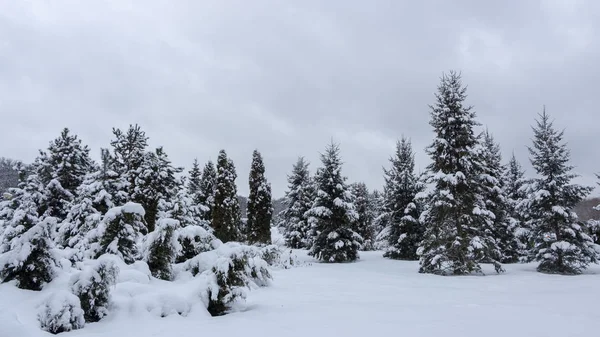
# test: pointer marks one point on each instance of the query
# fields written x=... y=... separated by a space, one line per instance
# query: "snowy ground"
x=373 y=297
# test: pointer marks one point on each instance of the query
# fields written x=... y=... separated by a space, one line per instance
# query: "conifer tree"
x=457 y=222
x=206 y=190
x=332 y=213
x=403 y=230
x=123 y=228
x=364 y=212
x=562 y=245
x=260 y=208
x=129 y=154
x=27 y=256
x=195 y=179
x=514 y=181
x=226 y=210
x=297 y=201
x=161 y=249
x=156 y=181
x=496 y=201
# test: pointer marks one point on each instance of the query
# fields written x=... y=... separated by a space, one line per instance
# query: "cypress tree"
x=297 y=201
x=562 y=245
x=226 y=210
x=403 y=230
x=260 y=208
x=332 y=213
x=457 y=222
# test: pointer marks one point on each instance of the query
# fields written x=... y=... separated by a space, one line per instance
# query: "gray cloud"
x=288 y=76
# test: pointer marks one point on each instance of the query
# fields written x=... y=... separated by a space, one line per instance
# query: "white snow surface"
x=372 y=297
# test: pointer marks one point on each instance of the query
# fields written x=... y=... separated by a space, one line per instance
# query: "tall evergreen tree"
x=206 y=190
x=226 y=210
x=562 y=245
x=496 y=201
x=195 y=175
x=514 y=180
x=129 y=154
x=297 y=201
x=403 y=230
x=332 y=213
x=364 y=212
x=156 y=181
x=456 y=238
x=260 y=207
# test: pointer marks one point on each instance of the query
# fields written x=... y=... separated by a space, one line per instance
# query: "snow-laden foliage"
x=402 y=229
x=332 y=214
x=93 y=286
x=279 y=257
x=226 y=218
x=82 y=218
x=297 y=201
x=206 y=190
x=457 y=222
x=562 y=243
x=160 y=248
x=514 y=182
x=364 y=211
x=61 y=312
x=123 y=228
x=229 y=271
x=497 y=202
x=193 y=240
x=260 y=207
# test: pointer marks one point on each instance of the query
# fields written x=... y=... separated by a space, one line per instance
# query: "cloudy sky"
x=286 y=77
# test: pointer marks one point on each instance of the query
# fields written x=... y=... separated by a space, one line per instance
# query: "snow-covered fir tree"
x=27 y=256
x=260 y=207
x=226 y=217
x=364 y=211
x=562 y=243
x=156 y=181
x=123 y=229
x=456 y=220
x=129 y=154
x=195 y=177
x=297 y=201
x=402 y=228
x=207 y=188
x=332 y=213
x=502 y=227
x=514 y=180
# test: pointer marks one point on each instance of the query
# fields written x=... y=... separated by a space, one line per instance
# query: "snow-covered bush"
x=229 y=271
x=278 y=257
x=161 y=246
x=193 y=240
x=123 y=228
x=61 y=312
x=92 y=286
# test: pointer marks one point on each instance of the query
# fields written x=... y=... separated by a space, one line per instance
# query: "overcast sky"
x=286 y=77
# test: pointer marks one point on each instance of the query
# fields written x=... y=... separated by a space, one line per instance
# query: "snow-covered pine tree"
x=562 y=243
x=156 y=181
x=161 y=248
x=332 y=213
x=260 y=208
x=364 y=222
x=514 y=180
x=206 y=191
x=28 y=257
x=195 y=178
x=496 y=201
x=403 y=230
x=226 y=210
x=123 y=229
x=456 y=220
x=297 y=201
x=129 y=151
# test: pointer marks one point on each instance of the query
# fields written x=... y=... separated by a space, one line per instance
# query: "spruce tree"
x=206 y=190
x=514 y=181
x=332 y=213
x=457 y=222
x=195 y=178
x=364 y=212
x=129 y=154
x=226 y=210
x=562 y=245
x=260 y=208
x=297 y=201
x=496 y=200
x=403 y=230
